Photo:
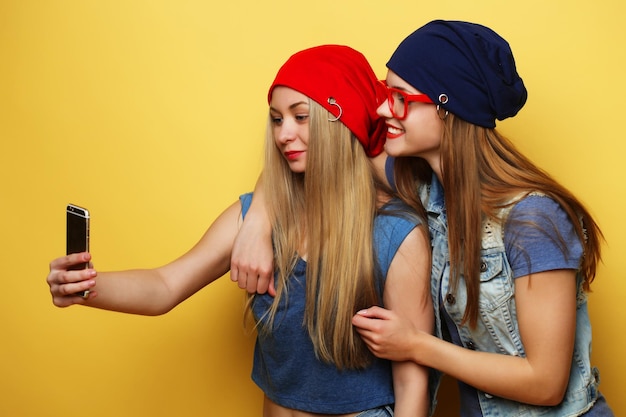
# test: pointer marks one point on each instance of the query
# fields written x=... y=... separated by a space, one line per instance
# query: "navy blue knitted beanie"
x=468 y=64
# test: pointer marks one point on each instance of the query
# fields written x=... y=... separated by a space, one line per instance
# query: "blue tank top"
x=285 y=366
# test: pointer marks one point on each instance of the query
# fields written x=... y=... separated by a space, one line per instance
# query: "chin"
x=297 y=168
x=392 y=149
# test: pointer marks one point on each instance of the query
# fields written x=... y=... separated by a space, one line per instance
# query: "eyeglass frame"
x=408 y=98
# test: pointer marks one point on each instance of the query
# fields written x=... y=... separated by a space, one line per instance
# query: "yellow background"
x=151 y=114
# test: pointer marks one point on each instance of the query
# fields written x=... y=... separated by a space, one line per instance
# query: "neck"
x=379 y=162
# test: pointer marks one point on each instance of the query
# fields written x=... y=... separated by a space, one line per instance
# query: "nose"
x=286 y=132
x=383 y=110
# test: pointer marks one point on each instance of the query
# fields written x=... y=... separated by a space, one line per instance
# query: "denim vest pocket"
x=495 y=284
x=497 y=330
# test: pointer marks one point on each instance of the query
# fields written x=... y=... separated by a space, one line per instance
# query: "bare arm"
x=546 y=310
x=149 y=291
x=407 y=293
x=252 y=261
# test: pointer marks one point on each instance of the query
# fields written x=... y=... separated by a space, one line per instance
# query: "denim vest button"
x=483 y=266
x=471 y=345
x=596 y=375
x=450 y=299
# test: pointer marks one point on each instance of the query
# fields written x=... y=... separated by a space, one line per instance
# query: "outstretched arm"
x=149 y=291
x=252 y=261
x=407 y=294
x=546 y=311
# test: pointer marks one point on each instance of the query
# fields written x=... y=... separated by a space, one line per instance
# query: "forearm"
x=546 y=315
x=156 y=291
x=135 y=291
x=407 y=293
x=253 y=256
x=494 y=373
x=410 y=385
x=257 y=216
x=257 y=208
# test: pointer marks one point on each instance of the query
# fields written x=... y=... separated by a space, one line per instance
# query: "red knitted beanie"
x=341 y=80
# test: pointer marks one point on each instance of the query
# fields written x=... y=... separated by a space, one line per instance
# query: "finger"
x=375 y=312
x=234 y=273
x=259 y=285
x=272 y=290
x=242 y=281
x=65 y=294
x=369 y=338
x=66 y=301
x=361 y=322
x=56 y=277
x=66 y=262
x=69 y=277
x=73 y=288
x=63 y=263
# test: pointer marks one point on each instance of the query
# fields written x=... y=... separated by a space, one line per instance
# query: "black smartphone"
x=77 y=240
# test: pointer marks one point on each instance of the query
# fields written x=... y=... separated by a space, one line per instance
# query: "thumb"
x=374 y=312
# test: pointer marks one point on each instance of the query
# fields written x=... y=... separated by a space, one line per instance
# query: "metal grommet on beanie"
x=466 y=68
x=341 y=80
x=333 y=102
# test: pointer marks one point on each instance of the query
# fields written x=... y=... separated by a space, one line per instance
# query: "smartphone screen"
x=77 y=231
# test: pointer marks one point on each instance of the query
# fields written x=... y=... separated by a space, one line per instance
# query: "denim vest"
x=497 y=327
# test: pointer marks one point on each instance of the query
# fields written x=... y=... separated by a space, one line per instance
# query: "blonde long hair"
x=330 y=210
x=482 y=172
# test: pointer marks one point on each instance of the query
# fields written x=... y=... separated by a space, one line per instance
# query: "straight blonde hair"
x=328 y=212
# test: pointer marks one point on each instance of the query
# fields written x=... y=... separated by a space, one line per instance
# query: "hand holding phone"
x=77 y=239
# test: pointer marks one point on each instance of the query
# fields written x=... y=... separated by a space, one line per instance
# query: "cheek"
x=304 y=134
x=426 y=125
x=276 y=135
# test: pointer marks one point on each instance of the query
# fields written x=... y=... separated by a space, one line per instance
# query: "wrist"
x=421 y=341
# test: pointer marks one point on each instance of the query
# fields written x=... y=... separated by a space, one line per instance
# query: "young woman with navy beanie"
x=513 y=251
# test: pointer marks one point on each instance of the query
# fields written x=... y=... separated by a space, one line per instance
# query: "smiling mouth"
x=394 y=132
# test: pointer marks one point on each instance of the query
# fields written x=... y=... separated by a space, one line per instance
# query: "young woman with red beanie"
x=341 y=244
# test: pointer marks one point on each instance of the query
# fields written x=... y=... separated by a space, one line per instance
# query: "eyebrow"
x=292 y=106
x=397 y=87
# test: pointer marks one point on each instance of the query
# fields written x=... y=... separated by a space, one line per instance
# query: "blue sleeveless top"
x=285 y=366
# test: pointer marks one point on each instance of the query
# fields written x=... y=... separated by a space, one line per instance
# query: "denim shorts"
x=600 y=408
x=384 y=411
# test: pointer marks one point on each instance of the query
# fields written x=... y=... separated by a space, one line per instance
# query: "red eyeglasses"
x=399 y=100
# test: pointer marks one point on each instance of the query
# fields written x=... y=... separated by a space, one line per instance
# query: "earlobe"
x=439 y=113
